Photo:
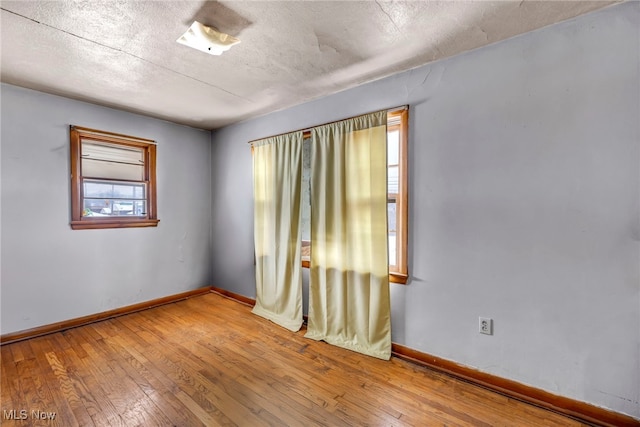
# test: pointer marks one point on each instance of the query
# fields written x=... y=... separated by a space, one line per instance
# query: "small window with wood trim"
x=113 y=180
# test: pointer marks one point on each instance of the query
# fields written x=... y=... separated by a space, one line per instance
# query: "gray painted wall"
x=524 y=205
x=51 y=273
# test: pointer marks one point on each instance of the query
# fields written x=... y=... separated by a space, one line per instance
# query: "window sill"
x=88 y=224
x=393 y=277
x=398 y=278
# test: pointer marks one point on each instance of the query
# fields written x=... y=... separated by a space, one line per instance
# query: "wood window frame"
x=78 y=222
x=398 y=273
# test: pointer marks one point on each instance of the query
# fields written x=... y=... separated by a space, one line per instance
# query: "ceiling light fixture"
x=207 y=39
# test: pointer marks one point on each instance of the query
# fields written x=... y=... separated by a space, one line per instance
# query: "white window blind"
x=104 y=160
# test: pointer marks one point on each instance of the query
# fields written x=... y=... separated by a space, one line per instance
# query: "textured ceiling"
x=124 y=53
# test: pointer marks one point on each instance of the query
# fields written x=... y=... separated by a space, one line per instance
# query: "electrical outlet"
x=485 y=325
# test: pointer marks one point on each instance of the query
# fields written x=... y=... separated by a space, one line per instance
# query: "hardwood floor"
x=209 y=361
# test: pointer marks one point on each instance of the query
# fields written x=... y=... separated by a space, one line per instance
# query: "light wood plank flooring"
x=209 y=361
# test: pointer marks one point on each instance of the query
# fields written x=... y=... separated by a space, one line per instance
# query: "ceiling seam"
x=127 y=53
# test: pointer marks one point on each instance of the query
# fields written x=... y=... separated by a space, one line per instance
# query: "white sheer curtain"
x=349 y=304
x=277 y=180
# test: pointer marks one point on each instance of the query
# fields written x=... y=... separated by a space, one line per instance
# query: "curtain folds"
x=349 y=303
x=277 y=177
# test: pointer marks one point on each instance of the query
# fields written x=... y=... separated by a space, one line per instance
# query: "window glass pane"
x=306 y=250
x=393 y=147
x=306 y=189
x=139 y=191
x=391 y=214
x=113 y=189
x=392 y=180
x=110 y=207
x=100 y=160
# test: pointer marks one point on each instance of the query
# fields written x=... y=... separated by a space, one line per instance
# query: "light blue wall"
x=524 y=205
x=51 y=273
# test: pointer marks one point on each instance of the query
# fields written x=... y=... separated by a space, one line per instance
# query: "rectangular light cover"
x=207 y=39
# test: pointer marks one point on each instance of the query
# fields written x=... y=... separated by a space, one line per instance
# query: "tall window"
x=397 y=199
x=113 y=182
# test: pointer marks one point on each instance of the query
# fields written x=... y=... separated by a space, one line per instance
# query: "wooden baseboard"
x=232 y=295
x=72 y=323
x=580 y=411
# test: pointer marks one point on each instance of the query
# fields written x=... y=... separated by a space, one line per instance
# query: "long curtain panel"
x=349 y=303
x=277 y=180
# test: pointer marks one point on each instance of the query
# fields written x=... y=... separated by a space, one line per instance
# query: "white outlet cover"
x=485 y=325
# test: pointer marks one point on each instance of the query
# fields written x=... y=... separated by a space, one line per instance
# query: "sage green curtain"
x=349 y=304
x=277 y=180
